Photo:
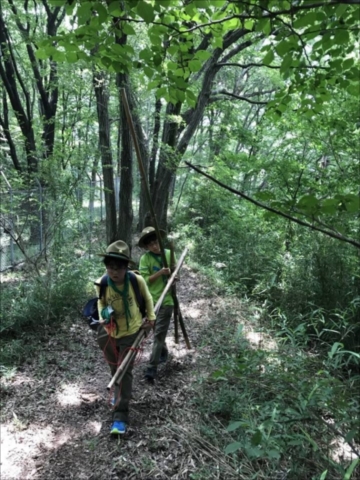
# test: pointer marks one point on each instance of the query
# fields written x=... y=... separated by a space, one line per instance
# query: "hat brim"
x=116 y=256
x=142 y=240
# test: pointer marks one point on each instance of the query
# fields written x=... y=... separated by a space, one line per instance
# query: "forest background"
x=260 y=98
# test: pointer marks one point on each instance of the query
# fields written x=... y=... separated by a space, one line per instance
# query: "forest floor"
x=56 y=412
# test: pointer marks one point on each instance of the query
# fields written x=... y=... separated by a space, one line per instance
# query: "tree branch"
x=277 y=212
x=248 y=65
x=238 y=97
x=268 y=14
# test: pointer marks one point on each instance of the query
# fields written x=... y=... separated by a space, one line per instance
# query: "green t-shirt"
x=150 y=264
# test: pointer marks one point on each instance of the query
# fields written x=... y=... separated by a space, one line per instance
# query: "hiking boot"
x=118 y=428
x=150 y=374
x=164 y=356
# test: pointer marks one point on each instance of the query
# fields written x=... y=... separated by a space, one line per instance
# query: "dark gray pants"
x=115 y=349
x=161 y=328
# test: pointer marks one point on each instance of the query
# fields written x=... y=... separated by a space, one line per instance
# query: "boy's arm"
x=146 y=271
x=159 y=273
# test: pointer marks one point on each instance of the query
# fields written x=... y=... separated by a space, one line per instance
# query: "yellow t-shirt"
x=114 y=299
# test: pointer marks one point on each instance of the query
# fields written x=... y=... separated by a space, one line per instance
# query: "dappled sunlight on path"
x=57 y=415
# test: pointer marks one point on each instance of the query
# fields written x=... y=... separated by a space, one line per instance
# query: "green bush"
x=303 y=278
x=275 y=404
x=44 y=301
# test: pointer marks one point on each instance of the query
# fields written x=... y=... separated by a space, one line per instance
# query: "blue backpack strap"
x=139 y=298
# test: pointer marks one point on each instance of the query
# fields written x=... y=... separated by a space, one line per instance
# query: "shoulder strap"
x=139 y=298
x=103 y=284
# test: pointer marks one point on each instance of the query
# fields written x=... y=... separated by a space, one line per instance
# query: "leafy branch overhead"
x=312 y=44
x=269 y=77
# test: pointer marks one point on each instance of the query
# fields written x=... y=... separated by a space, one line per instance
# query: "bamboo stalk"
x=182 y=326
x=176 y=309
x=176 y=325
x=171 y=279
x=152 y=212
x=120 y=372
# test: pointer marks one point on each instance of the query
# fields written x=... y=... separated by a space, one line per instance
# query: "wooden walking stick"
x=120 y=372
x=176 y=310
x=152 y=212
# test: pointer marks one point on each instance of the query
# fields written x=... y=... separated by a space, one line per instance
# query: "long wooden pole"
x=176 y=310
x=152 y=211
x=143 y=175
x=120 y=372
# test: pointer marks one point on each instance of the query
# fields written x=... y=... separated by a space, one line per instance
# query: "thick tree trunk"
x=102 y=104
x=143 y=147
x=168 y=163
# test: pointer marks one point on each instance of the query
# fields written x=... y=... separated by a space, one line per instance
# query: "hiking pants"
x=115 y=350
x=161 y=328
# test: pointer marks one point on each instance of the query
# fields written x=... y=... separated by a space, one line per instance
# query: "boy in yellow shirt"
x=120 y=321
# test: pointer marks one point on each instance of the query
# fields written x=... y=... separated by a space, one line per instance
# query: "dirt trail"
x=56 y=413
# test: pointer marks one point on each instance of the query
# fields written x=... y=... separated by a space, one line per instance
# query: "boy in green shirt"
x=156 y=277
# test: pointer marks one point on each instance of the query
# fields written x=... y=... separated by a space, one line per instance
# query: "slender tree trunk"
x=9 y=76
x=155 y=144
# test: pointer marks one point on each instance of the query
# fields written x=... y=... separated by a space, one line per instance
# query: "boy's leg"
x=123 y=392
x=108 y=346
x=161 y=328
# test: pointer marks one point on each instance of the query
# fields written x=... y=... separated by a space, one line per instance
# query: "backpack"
x=90 y=310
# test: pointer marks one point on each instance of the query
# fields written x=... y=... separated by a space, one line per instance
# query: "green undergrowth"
x=34 y=305
x=287 y=412
x=301 y=279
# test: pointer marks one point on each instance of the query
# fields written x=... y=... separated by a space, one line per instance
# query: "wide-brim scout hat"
x=146 y=233
x=118 y=250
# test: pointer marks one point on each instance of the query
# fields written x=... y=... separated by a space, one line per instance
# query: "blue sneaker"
x=118 y=428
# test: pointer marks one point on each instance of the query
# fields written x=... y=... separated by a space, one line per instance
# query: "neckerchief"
x=124 y=296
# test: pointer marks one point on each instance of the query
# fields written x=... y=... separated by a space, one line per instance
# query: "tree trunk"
x=155 y=144
x=167 y=165
x=9 y=76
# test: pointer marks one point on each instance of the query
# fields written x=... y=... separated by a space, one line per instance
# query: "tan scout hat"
x=146 y=233
x=118 y=250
